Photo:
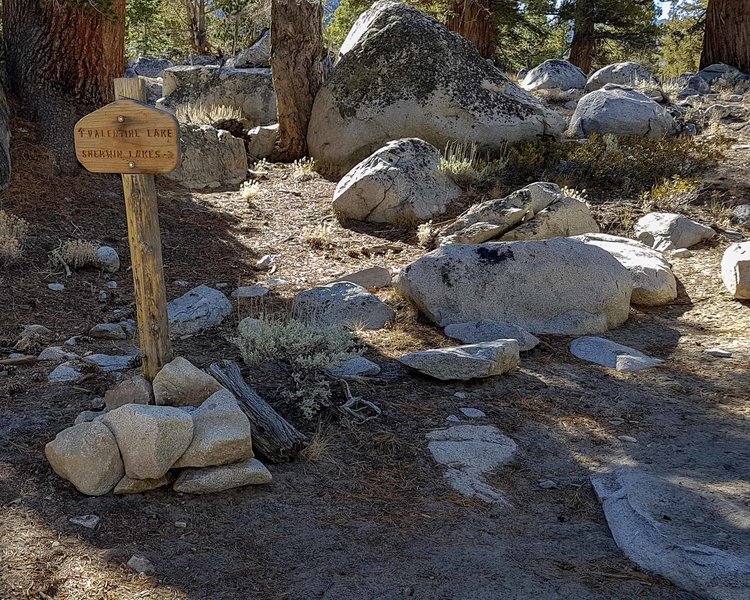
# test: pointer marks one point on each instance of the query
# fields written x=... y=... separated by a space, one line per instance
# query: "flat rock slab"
x=201 y=308
x=462 y=363
x=138 y=486
x=470 y=451
x=373 y=277
x=681 y=529
x=475 y=332
x=669 y=231
x=217 y=479
x=611 y=354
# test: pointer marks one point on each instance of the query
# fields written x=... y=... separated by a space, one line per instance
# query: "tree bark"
x=196 y=15
x=61 y=60
x=472 y=20
x=727 y=37
x=296 y=54
x=583 y=47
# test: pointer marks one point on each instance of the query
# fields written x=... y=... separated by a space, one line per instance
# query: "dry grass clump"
x=320 y=448
x=13 y=232
x=250 y=190
x=612 y=164
x=321 y=237
x=201 y=113
x=302 y=351
x=303 y=169
x=673 y=195
x=75 y=254
x=468 y=167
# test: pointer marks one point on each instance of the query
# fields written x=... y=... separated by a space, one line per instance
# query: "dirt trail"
x=374 y=519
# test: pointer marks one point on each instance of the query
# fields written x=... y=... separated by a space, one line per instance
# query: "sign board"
x=127 y=136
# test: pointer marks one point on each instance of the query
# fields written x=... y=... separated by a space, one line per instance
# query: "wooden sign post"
x=138 y=141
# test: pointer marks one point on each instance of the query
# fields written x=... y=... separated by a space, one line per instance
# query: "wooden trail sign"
x=128 y=137
x=118 y=150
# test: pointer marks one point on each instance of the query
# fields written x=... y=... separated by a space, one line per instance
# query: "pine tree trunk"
x=61 y=59
x=472 y=20
x=727 y=37
x=196 y=15
x=583 y=47
x=296 y=52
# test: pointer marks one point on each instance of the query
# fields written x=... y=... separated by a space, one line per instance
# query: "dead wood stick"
x=274 y=438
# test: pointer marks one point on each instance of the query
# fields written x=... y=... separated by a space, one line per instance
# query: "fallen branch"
x=274 y=438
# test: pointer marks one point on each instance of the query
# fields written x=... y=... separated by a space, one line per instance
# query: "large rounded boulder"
x=403 y=74
x=558 y=286
x=626 y=73
x=401 y=184
x=554 y=75
x=622 y=111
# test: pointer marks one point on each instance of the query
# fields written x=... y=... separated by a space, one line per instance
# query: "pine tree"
x=61 y=59
x=727 y=37
x=631 y=23
x=296 y=54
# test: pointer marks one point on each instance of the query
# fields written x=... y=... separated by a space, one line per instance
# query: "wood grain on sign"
x=127 y=136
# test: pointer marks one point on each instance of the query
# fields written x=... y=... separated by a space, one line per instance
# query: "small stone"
x=475 y=332
x=56 y=287
x=718 y=353
x=627 y=438
x=617 y=421
x=251 y=291
x=87 y=521
x=452 y=419
x=218 y=479
x=353 y=368
x=547 y=484
x=108 y=331
x=71 y=342
x=135 y=390
x=97 y=403
x=681 y=253
x=199 y=309
x=607 y=353
x=65 y=373
x=38 y=331
x=181 y=283
x=103 y=296
x=56 y=354
x=266 y=261
x=221 y=285
x=342 y=303
x=472 y=413
x=108 y=363
x=142 y=565
x=126 y=485
x=87 y=416
x=461 y=395
x=180 y=383
x=112 y=285
x=372 y=278
x=108 y=259
x=180 y=524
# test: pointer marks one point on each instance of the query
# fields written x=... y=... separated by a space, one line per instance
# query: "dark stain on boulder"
x=494 y=255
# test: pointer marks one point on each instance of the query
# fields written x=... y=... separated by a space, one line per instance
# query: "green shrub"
x=625 y=165
x=302 y=351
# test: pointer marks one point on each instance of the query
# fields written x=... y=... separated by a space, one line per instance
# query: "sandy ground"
x=373 y=517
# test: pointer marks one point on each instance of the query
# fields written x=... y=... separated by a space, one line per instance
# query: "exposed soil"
x=373 y=517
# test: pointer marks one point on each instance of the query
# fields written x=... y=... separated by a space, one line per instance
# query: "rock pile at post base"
x=136 y=447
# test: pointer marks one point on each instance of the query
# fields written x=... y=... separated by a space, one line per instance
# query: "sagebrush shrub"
x=13 y=232
x=303 y=351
